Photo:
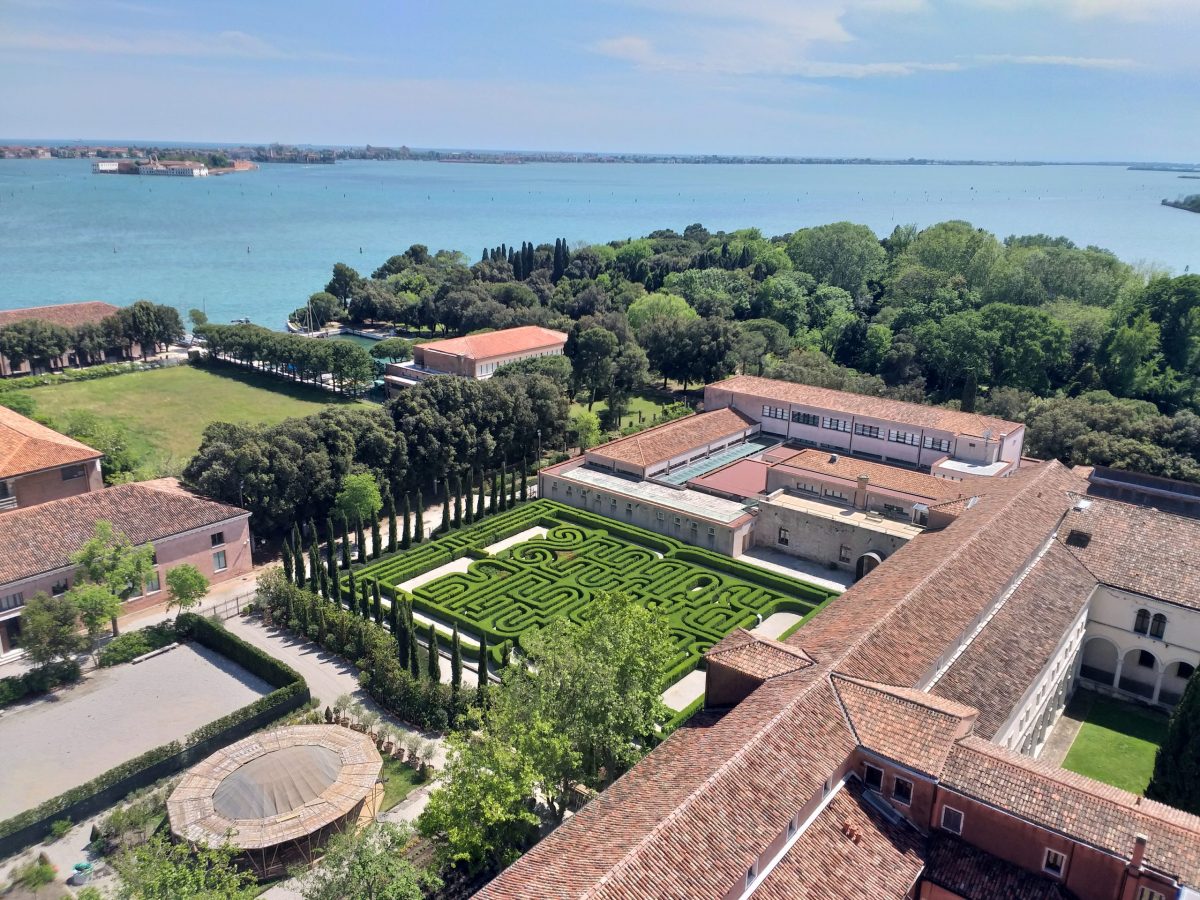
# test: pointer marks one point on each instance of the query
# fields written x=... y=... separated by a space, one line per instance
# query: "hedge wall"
x=291 y=693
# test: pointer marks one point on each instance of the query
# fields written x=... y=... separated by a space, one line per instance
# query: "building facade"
x=476 y=355
x=37 y=464
x=69 y=316
x=36 y=543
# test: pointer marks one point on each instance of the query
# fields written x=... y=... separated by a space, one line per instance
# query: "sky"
x=1057 y=80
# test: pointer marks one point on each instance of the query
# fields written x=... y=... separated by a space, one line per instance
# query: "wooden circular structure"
x=278 y=796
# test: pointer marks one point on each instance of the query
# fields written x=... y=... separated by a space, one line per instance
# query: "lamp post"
x=539 y=434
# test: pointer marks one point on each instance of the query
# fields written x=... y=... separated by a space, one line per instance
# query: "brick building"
x=888 y=748
x=476 y=355
x=70 y=316
x=36 y=542
x=37 y=464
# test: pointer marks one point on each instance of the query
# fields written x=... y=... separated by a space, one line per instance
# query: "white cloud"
x=1078 y=62
x=1124 y=10
x=160 y=43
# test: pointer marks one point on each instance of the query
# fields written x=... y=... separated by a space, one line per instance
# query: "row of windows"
x=1156 y=627
x=904 y=437
x=774 y=412
x=70 y=473
x=836 y=424
x=937 y=444
x=913 y=439
x=871 y=431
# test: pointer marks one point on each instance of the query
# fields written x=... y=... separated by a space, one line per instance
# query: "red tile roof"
x=662 y=442
x=849 y=852
x=1054 y=798
x=68 y=315
x=897 y=411
x=491 y=344
x=37 y=539
x=880 y=475
x=955 y=865
x=26 y=446
x=757 y=656
x=911 y=727
x=1144 y=550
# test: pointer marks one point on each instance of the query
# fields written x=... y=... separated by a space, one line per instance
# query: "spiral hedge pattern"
x=704 y=594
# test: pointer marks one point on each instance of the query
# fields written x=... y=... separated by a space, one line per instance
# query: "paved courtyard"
x=55 y=743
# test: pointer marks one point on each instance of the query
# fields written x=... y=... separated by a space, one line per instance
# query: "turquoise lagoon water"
x=256 y=244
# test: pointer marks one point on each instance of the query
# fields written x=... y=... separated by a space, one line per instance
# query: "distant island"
x=310 y=155
x=1191 y=203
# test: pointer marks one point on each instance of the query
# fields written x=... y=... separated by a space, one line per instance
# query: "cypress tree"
x=468 y=500
x=330 y=547
x=1176 y=779
x=455 y=659
x=419 y=524
x=479 y=487
x=456 y=486
x=378 y=608
x=312 y=531
x=401 y=634
x=351 y=591
x=445 y=506
x=414 y=660
x=298 y=552
x=364 y=602
x=376 y=538
x=393 y=539
x=494 y=496
x=345 y=541
x=524 y=480
x=503 y=487
x=406 y=532
x=288 y=572
x=335 y=586
x=393 y=615
x=314 y=566
x=434 y=660
x=297 y=543
x=483 y=666
x=324 y=582
x=362 y=541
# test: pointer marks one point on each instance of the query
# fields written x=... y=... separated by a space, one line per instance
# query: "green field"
x=649 y=405
x=167 y=410
x=1117 y=743
x=704 y=595
x=399 y=779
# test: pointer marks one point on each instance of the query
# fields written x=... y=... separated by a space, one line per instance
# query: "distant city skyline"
x=1046 y=80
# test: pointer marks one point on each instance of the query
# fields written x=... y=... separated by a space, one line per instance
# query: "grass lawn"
x=1117 y=743
x=399 y=779
x=166 y=410
x=649 y=405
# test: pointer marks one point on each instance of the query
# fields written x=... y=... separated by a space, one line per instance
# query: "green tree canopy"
x=393 y=349
x=188 y=586
x=49 y=630
x=1176 y=779
x=843 y=254
x=368 y=863
x=162 y=870
x=359 y=499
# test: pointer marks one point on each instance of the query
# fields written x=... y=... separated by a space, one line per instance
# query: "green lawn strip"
x=1117 y=743
x=167 y=410
x=704 y=594
x=399 y=780
x=649 y=405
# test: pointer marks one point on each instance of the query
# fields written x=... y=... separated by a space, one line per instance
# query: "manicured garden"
x=705 y=595
x=1117 y=743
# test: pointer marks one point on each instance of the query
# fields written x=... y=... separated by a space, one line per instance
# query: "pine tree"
x=406 y=530
x=288 y=572
x=524 y=480
x=479 y=487
x=345 y=540
x=393 y=538
x=1176 y=779
x=414 y=659
x=483 y=667
x=455 y=659
x=419 y=524
x=434 y=660
x=378 y=608
x=445 y=506
x=456 y=487
x=362 y=540
x=376 y=538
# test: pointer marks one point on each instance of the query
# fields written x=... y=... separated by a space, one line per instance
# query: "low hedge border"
x=291 y=693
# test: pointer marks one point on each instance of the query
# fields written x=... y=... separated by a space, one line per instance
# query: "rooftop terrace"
x=692 y=503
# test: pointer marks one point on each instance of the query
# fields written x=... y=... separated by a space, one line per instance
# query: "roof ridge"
x=910 y=695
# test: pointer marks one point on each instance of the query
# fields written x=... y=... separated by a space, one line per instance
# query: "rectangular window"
x=751 y=873
x=873 y=777
x=836 y=424
x=871 y=431
x=12 y=601
x=70 y=473
x=774 y=412
x=60 y=588
x=844 y=553
x=711 y=530
x=628 y=509
x=660 y=515
x=892 y=509
x=1145 y=893
x=902 y=791
x=932 y=443
x=784 y=536
x=952 y=820
x=153 y=583
x=1054 y=862
x=219 y=561
x=570 y=490
x=904 y=437
x=791 y=831
x=218 y=538
x=804 y=418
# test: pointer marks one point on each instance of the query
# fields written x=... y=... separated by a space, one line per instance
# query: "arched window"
x=1158 y=625
x=1141 y=624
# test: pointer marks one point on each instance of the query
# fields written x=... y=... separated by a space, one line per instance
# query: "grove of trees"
x=150 y=325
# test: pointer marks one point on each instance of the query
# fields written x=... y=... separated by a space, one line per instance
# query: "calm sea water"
x=256 y=244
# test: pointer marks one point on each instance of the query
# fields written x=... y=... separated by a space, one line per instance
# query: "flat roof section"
x=855 y=517
x=686 y=473
x=692 y=503
x=746 y=477
x=675 y=438
x=969 y=468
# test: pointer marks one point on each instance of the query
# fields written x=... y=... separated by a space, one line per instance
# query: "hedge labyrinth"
x=704 y=595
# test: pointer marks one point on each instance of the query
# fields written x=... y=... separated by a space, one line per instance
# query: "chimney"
x=1139 y=851
x=860 y=492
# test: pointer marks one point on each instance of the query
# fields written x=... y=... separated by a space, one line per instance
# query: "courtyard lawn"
x=703 y=594
x=167 y=410
x=399 y=779
x=649 y=405
x=1116 y=744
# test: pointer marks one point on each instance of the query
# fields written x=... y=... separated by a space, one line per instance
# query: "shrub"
x=37 y=681
x=132 y=644
x=59 y=828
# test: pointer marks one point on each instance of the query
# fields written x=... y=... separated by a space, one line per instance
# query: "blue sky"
x=984 y=79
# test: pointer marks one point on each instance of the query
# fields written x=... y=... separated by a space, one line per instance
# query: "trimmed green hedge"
x=39 y=681
x=291 y=693
x=132 y=644
x=704 y=594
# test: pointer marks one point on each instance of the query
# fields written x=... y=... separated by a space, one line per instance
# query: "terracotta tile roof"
x=915 y=414
x=1087 y=810
x=41 y=538
x=916 y=729
x=757 y=656
x=995 y=671
x=1144 y=550
x=68 y=315
x=880 y=475
x=662 y=442
x=826 y=863
x=499 y=343
x=26 y=446
x=955 y=865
